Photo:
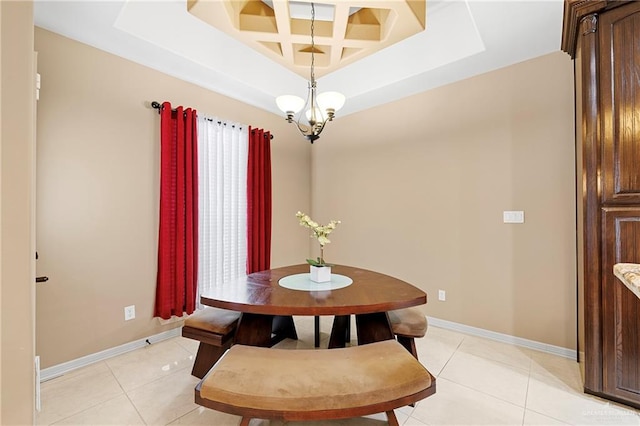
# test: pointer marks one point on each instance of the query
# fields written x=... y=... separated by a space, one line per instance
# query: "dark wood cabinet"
x=603 y=37
x=620 y=97
x=620 y=306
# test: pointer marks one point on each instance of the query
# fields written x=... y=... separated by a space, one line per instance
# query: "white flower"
x=317 y=231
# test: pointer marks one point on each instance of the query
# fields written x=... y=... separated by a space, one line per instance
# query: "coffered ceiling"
x=344 y=30
x=372 y=51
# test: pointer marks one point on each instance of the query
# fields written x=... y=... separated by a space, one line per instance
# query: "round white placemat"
x=303 y=282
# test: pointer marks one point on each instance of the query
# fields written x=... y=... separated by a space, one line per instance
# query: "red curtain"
x=177 y=281
x=259 y=201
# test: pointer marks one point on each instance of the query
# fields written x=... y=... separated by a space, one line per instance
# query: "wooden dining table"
x=267 y=304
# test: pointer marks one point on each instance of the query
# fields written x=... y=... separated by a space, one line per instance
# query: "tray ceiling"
x=460 y=39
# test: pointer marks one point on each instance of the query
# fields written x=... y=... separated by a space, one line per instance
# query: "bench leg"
x=391 y=418
x=410 y=344
x=245 y=421
x=205 y=358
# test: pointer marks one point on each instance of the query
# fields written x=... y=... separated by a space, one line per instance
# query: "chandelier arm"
x=304 y=130
x=321 y=128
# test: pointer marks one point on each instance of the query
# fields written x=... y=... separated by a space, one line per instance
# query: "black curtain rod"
x=158 y=106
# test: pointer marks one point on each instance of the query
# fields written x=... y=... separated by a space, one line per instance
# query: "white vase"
x=320 y=274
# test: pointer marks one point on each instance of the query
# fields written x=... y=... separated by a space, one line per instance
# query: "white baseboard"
x=60 y=369
x=504 y=338
x=65 y=367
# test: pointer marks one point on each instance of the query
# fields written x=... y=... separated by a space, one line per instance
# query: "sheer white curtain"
x=222 y=191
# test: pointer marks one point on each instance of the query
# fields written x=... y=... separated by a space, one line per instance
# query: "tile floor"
x=479 y=382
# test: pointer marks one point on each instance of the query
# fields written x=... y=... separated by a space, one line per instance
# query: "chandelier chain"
x=313 y=19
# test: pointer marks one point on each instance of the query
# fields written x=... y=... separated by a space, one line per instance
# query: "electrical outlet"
x=442 y=295
x=129 y=312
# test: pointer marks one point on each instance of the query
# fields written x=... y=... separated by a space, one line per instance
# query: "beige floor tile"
x=89 y=370
x=474 y=374
x=116 y=411
x=437 y=348
x=491 y=377
x=454 y=404
x=166 y=399
x=379 y=419
x=560 y=369
x=412 y=421
x=452 y=338
x=189 y=344
x=508 y=354
x=531 y=418
x=554 y=398
x=147 y=364
x=65 y=396
x=404 y=411
x=204 y=416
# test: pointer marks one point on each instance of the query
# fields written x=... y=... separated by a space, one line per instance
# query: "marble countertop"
x=629 y=274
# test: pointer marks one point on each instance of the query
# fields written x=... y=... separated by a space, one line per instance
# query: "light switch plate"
x=129 y=312
x=512 y=216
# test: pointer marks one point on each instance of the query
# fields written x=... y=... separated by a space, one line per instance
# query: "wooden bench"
x=309 y=384
x=408 y=324
x=214 y=328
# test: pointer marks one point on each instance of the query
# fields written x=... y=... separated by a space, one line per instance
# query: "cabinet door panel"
x=621 y=307
x=620 y=83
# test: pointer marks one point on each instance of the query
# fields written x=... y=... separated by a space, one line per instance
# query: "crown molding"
x=574 y=12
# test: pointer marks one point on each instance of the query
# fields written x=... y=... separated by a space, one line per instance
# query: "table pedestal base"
x=370 y=328
x=264 y=330
x=268 y=330
x=282 y=328
x=339 y=332
x=373 y=328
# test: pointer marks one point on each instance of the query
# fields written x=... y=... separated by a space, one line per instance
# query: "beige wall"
x=97 y=193
x=420 y=186
x=17 y=273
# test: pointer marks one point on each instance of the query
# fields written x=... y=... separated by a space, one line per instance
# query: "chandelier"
x=317 y=110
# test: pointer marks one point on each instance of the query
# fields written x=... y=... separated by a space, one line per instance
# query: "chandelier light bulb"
x=331 y=101
x=290 y=104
